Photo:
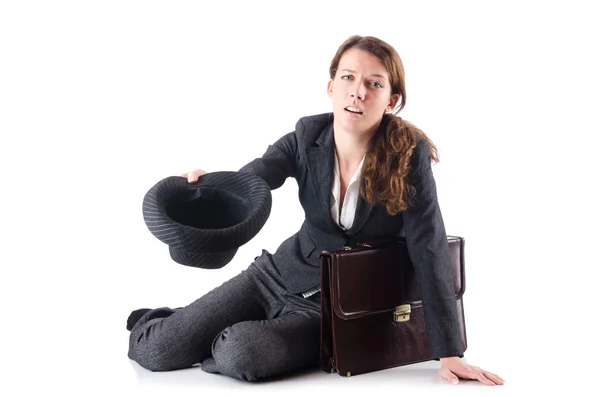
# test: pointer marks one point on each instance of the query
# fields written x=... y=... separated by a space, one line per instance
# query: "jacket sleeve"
x=428 y=249
x=277 y=163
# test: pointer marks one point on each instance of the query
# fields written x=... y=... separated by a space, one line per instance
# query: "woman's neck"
x=350 y=149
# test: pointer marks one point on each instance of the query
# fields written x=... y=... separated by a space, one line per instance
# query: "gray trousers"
x=249 y=328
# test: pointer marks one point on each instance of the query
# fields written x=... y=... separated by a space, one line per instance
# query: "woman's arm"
x=428 y=249
x=278 y=163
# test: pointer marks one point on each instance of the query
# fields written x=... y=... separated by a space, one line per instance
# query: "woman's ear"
x=393 y=102
x=330 y=88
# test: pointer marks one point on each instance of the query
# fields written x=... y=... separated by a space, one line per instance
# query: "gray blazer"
x=307 y=154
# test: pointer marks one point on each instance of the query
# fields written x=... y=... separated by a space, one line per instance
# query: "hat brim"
x=204 y=260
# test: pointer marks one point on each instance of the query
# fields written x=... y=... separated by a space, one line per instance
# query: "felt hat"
x=204 y=223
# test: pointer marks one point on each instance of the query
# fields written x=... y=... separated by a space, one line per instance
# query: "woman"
x=359 y=171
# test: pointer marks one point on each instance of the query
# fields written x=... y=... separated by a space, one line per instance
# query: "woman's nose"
x=359 y=91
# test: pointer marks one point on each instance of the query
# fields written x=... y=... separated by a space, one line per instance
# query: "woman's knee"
x=154 y=353
x=239 y=353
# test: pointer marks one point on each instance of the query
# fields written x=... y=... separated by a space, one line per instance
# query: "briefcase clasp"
x=402 y=313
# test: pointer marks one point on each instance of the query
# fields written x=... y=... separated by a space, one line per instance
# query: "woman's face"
x=361 y=92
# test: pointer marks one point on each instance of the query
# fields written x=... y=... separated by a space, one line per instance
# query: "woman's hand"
x=453 y=368
x=192 y=176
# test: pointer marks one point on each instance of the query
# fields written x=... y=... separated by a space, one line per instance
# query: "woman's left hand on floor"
x=453 y=368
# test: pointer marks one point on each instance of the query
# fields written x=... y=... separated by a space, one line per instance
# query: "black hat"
x=204 y=223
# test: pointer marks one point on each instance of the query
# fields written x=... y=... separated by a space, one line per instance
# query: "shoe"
x=135 y=316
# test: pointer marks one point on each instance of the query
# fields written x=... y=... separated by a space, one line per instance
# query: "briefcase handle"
x=386 y=241
x=380 y=242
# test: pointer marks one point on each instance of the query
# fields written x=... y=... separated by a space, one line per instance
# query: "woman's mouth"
x=353 y=110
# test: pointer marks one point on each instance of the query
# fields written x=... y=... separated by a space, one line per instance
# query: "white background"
x=100 y=100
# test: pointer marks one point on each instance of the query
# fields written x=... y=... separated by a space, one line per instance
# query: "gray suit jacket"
x=307 y=154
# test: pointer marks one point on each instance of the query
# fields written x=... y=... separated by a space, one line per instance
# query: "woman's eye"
x=376 y=84
x=346 y=77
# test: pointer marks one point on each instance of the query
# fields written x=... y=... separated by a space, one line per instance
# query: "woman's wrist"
x=447 y=359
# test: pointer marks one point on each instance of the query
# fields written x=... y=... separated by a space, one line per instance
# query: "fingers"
x=192 y=176
x=494 y=378
x=482 y=378
x=448 y=375
x=486 y=377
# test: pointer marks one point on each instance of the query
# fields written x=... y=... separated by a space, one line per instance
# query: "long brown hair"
x=386 y=167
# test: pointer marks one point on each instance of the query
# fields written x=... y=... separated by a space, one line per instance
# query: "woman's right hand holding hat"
x=192 y=176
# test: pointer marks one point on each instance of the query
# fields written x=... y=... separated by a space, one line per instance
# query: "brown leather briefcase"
x=371 y=311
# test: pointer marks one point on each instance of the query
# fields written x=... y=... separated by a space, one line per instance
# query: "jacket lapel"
x=363 y=210
x=320 y=165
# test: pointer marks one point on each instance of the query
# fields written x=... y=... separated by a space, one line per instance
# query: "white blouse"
x=346 y=218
